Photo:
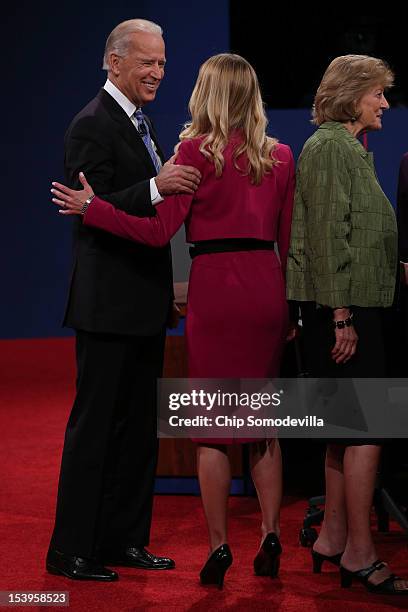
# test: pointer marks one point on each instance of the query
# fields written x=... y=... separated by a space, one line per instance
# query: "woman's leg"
x=360 y=469
x=266 y=471
x=333 y=534
x=350 y=480
x=214 y=474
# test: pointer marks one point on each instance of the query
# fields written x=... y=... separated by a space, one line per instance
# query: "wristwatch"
x=342 y=324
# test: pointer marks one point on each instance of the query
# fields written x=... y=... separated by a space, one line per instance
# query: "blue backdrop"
x=53 y=70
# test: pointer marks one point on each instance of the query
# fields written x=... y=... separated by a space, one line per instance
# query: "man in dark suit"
x=402 y=208
x=119 y=301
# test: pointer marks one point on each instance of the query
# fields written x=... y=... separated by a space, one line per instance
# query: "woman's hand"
x=292 y=331
x=346 y=338
x=174 y=317
x=70 y=200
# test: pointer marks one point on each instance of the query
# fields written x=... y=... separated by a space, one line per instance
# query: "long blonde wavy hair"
x=226 y=97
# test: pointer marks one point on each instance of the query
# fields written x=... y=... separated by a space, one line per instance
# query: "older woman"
x=237 y=317
x=342 y=268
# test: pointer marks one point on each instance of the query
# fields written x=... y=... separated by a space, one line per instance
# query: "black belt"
x=229 y=245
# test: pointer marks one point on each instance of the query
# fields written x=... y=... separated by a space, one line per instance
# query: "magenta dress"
x=237 y=316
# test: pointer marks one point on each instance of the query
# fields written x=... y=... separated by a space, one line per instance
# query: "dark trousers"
x=403 y=344
x=105 y=489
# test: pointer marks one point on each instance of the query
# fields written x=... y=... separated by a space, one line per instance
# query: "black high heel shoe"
x=318 y=560
x=267 y=561
x=387 y=587
x=217 y=564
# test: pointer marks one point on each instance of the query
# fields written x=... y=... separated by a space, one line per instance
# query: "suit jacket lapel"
x=128 y=131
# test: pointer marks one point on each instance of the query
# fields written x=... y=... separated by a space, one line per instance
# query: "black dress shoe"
x=141 y=558
x=217 y=564
x=318 y=560
x=392 y=585
x=77 y=568
x=266 y=562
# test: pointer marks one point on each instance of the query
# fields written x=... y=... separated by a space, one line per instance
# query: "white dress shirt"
x=130 y=109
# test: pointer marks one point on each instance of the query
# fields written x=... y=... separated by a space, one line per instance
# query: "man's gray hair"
x=119 y=39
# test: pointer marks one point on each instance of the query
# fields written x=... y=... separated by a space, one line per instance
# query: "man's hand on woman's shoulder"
x=174 y=178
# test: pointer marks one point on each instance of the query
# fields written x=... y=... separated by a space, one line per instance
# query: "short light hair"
x=345 y=81
x=118 y=40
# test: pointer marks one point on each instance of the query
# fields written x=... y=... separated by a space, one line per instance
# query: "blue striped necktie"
x=144 y=132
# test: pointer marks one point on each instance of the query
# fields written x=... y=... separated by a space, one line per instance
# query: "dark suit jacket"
x=117 y=286
x=402 y=208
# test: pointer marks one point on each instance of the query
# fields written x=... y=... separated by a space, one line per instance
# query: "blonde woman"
x=237 y=318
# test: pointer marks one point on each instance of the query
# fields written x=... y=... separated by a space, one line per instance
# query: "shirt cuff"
x=154 y=193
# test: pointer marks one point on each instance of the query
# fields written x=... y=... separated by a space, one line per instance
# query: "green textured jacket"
x=343 y=247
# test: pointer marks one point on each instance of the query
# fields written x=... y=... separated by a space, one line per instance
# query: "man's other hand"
x=177 y=179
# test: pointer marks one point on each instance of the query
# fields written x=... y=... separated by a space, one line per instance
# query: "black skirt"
x=370 y=360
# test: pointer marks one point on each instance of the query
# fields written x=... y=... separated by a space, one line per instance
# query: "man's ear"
x=114 y=63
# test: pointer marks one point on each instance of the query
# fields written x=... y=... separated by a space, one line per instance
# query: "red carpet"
x=36 y=389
